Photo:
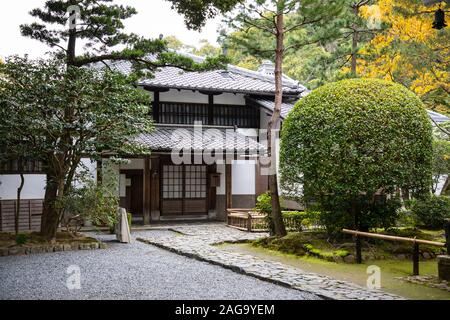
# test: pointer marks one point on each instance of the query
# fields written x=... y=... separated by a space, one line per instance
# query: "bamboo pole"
x=393 y=238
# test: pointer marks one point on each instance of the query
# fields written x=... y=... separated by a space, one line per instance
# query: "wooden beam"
x=210 y=109
x=147 y=195
x=228 y=186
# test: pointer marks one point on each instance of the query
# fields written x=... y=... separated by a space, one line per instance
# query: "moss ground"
x=34 y=238
x=390 y=271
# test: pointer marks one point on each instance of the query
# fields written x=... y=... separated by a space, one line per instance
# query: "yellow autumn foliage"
x=387 y=55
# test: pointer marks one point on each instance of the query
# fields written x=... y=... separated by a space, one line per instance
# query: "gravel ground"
x=136 y=271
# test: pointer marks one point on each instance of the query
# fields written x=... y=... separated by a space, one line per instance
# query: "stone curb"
x=230 y=267
x=49 y=248
x=320 y=292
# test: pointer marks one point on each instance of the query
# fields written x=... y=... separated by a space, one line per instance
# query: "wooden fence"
x=29 y=217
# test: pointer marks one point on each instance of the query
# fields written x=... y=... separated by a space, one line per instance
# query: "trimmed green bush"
x=21 y=238
x=430 y=212
x=348 y=141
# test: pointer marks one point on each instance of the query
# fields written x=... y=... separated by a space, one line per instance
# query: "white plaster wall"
x=34 y=187
x=230 y=98
x=174 y=95
x=90 y=166
x=243 y=177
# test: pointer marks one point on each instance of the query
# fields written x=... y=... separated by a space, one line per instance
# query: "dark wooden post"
x=416 y=259
x=228 y=186
x=147 y=195
x=210 y=109
x=358 y=249
x=447 y=235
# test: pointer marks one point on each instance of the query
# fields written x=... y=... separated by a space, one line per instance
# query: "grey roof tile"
x=166 y=138
x=234 y=79
x=269 y=104
x=437 y=117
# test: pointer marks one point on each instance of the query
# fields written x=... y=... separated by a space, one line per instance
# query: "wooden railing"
x=254 y=221
x=246 y=219
x=415 y=242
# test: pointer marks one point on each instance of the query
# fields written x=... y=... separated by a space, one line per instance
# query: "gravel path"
x=136 y=271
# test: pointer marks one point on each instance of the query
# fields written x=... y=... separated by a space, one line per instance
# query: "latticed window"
x=219 y=115
x=195 y=182
x=184 y=182
x=172 y=182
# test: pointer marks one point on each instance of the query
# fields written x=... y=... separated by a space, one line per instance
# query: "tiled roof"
x=268 y=104
x=167 y=137
x=234 y=79
x=437 y=117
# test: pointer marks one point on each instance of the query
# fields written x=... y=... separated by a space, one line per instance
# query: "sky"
x=154 y=17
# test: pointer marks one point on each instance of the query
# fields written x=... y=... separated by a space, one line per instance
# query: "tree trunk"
x=19 y=192
x=354 y=44
x=274 y=124
x=51 y=213
x=71 y=46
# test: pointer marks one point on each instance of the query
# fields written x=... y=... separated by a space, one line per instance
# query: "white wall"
x=174 y=95
x=34 y=187
x=230 y=98
x=243 y=177
x=183 y=96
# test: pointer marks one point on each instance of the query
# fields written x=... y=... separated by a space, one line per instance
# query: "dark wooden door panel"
x=172 y=207
x=195 y=206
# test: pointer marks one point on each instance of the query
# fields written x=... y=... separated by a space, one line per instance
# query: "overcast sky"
x=154 y=18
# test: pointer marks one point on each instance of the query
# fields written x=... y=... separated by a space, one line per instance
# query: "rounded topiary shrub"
x=351 y=144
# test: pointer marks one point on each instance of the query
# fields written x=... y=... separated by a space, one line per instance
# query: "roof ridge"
x=249 y=73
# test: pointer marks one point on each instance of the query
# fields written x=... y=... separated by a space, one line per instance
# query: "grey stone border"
x=229 y=267
x=199 y=242
x=48 y=248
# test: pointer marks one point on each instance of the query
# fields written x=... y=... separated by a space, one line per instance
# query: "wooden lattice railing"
x=247 y=220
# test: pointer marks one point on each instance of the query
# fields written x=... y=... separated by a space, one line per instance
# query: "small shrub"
x=264 y=205
x=430 y=212
x=298 y=220
x=21 y=238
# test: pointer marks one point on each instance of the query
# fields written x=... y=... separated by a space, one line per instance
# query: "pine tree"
x=83 y=32
x=97 y=25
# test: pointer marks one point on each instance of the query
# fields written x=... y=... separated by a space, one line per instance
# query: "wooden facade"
x=29 y=216
x=163 y=190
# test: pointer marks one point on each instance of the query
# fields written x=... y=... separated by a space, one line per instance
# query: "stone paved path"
x=197 y=241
